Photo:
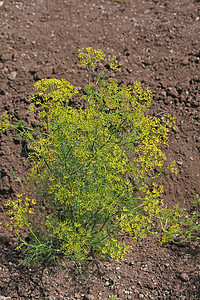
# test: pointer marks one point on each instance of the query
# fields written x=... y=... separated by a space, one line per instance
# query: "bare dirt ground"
x=157 y=42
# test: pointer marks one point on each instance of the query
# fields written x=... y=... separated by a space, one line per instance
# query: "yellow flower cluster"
x=74 y=239
x=91 y=56
x=5 y=121
x=114 y=64
x=114 y=249
x=18 y=213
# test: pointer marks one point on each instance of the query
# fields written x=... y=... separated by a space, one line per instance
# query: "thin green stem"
x=29 y=228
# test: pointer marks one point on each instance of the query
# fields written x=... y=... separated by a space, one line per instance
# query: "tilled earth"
x=157 y=42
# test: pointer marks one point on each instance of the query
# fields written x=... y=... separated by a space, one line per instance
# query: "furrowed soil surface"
x=157 y=42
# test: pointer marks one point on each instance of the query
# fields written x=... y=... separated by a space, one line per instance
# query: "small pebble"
x=12 y=75
x=132 y=264
x=179 y=162
x=184 y=277
x=90 y=297
x=107 y=283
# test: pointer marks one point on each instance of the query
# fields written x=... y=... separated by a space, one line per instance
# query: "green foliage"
x=92 y=166
x=113 y=297
x=166 y=223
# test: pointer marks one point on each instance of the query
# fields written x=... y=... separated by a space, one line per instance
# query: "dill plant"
x=92 y=166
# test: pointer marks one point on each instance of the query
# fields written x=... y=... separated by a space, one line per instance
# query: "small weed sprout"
x=113 y=297
x=93 y=167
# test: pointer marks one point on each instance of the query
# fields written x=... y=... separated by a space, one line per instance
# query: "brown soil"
x=157 y=42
